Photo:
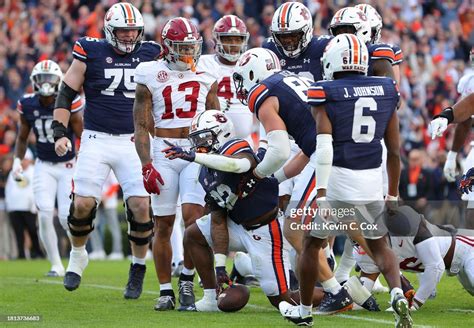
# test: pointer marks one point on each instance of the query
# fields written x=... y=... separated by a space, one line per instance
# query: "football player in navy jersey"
x=353 y=113
x=251 y=224
x=53 y=174
x=105 y=69
x=376 y=24
x=278 y=98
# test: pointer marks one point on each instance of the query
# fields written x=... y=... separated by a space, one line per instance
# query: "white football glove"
x=437 y=127
x=324 y=208
x=17 y=169
x=449 y=169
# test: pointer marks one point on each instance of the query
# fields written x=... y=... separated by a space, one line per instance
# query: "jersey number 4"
x=191 y=97
x=363 y=127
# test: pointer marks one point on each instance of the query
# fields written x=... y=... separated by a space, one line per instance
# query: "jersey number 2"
x=363 y=127
x=192 y=98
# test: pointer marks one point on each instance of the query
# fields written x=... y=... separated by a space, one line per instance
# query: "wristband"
x=447 y=113
x=59 y=130
x=220 y=259
x=280 y=175
x=391 y=198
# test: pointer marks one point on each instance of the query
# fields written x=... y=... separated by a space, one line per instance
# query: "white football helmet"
x=254 y=66
x=123 y=15
x=292 y=19
x=46 y=77
x=352 y=18
x=375 y=21
x=210 y=130
x=345 y=53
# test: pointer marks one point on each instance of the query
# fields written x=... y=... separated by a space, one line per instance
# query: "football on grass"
x=233 y=298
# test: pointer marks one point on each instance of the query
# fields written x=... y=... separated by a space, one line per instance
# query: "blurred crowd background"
x=435 y=36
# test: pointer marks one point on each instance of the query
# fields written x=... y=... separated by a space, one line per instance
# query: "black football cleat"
x=134 y=287
x=186 y=293
x=71 y=281
x=401 y=312
x=165 y=303
x=371 y=304
x=331 y=262
x=332 y=304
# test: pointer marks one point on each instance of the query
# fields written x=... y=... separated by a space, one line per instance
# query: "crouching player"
x=421 y=246
x=251 y=224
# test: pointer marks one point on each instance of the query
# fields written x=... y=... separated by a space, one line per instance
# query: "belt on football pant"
x=262 y=220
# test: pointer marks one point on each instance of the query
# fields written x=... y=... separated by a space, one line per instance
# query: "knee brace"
x=73 y=221
x=138 y=227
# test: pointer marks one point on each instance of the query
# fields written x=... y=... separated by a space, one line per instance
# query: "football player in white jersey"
x=104 y=69
x=231 y=37
x=424 y=247
x=53 y=174
x=439 y=125
x=171 y=91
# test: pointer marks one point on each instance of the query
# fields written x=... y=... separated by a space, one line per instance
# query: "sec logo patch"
x=162 y=76
x=108 y=60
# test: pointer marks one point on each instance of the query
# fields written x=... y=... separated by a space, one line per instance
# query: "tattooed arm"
x=219 y=232
x=212 y=102
x=141 y=119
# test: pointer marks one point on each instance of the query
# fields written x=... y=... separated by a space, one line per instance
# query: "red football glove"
x=151 y=177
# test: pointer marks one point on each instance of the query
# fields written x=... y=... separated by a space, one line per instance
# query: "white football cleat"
x=292 y=313
x=207 y=305
x=97 y=255
x=379 y=288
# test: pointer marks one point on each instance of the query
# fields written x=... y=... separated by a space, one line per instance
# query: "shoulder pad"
x=235 y=146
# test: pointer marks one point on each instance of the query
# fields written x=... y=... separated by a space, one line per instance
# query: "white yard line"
x=461 y=310
x=386 y=322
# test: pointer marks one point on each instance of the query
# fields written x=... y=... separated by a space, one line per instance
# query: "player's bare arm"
x=458 y=113
x=460 y=134
x=278 y=150
x=70 y=87
x=324 y=151
x=392 y=141
x=383 y=67
x=21 y=143
x=77 y=123
x=212 y=102
x=73 y=79
x=142 y=108
x=219 y=232
x=293 y=167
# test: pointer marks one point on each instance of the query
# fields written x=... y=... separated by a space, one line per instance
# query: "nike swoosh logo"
x=197 y=73
x=400 y=244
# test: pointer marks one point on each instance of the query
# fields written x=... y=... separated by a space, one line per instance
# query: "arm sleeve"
x=324 y=157
x=223 y=163
x=277 y=153
x=430 y=255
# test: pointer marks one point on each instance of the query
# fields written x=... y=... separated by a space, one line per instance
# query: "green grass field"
x=99 y=303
